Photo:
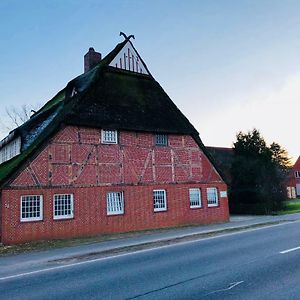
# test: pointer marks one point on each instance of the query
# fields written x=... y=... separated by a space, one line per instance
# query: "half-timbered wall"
x=76 y=162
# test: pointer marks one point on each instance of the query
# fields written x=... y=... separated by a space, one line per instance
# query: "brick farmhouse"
x=293 y=181
x=109 y=153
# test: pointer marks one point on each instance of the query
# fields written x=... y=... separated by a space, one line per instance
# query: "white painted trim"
x=117 y=212
x=216 y=194
x=199 y=194
x=31 y=219
x=165 y=208
x=63 y=217
x=104 y=141
x=10 y=150
x=129 y=60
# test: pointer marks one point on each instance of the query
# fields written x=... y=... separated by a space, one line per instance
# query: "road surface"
x=256 y=264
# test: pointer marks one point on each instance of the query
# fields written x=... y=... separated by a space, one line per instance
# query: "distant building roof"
x=223 y=158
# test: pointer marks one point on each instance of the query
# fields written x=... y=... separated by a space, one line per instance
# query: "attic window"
x=297 y=174
x=109 y=136
x=161 y=139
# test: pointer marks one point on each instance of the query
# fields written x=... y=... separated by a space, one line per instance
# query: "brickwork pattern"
x=75 y=161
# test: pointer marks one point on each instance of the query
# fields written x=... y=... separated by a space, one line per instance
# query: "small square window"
x=63 y=207
x=161 y=139
x=31 y=208
x=109 y=136
x=115 y=203
x=195 y=198
x=159 y=200
x=212 y=197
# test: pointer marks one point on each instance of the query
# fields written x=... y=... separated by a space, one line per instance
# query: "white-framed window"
x=115 y=203
x=297 y=174
x=63 y=206
x=109 y=136
x=297 y=189
x=195 y=198
x=160 y=200
x=212 y=197
x=31 y=208
x=10 y=150
x=161 y=139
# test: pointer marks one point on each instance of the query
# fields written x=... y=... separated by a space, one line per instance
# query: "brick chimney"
x=91 y=59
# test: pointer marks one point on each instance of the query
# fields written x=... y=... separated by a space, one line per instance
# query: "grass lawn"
x=290 y=207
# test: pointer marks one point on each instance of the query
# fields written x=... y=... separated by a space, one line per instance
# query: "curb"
x=161 y=242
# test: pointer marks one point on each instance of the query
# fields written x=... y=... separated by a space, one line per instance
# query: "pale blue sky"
x=228 y=65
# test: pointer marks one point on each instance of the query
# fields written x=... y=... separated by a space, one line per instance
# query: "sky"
x=229 y=65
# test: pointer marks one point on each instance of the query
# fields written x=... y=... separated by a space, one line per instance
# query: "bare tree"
x=17 y=115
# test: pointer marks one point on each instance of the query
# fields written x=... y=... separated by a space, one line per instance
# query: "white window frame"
x=212 y=192
x=159 y=204
x=195 y=198
x=115 y=203
x=65 y=216
x=298 y=189
x=10 y=150
x=109 y=136
x=30 y=219
x=161 y=139
x=297 y=174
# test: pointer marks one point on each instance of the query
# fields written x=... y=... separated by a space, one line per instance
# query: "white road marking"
x=290 y=250
x=234 y=284
x=231 y=286
x=141 y=251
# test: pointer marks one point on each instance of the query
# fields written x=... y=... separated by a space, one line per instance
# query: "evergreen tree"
x=258 y=174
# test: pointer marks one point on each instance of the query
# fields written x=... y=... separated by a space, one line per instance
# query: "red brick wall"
x=90 y=215
x=76 y=162
x=292 y=180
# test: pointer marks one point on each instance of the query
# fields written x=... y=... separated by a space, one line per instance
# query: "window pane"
x=109 y=136
x=161 y=139
x=195 y=198
x=159 y=200
x=115 y=203
x=212 y=197
x=63 y=206
x=31 y=208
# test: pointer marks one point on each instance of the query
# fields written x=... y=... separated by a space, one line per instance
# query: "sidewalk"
x=13 y=264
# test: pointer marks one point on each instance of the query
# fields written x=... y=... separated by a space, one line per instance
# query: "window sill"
x=63 y=218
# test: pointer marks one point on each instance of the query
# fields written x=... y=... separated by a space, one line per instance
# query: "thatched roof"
x=105 y=97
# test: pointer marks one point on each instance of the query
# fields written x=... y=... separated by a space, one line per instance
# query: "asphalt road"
x=257 y=264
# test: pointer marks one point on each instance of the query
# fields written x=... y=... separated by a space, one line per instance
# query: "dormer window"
x=161 y=140
x=10 y=150
x=109 y=136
